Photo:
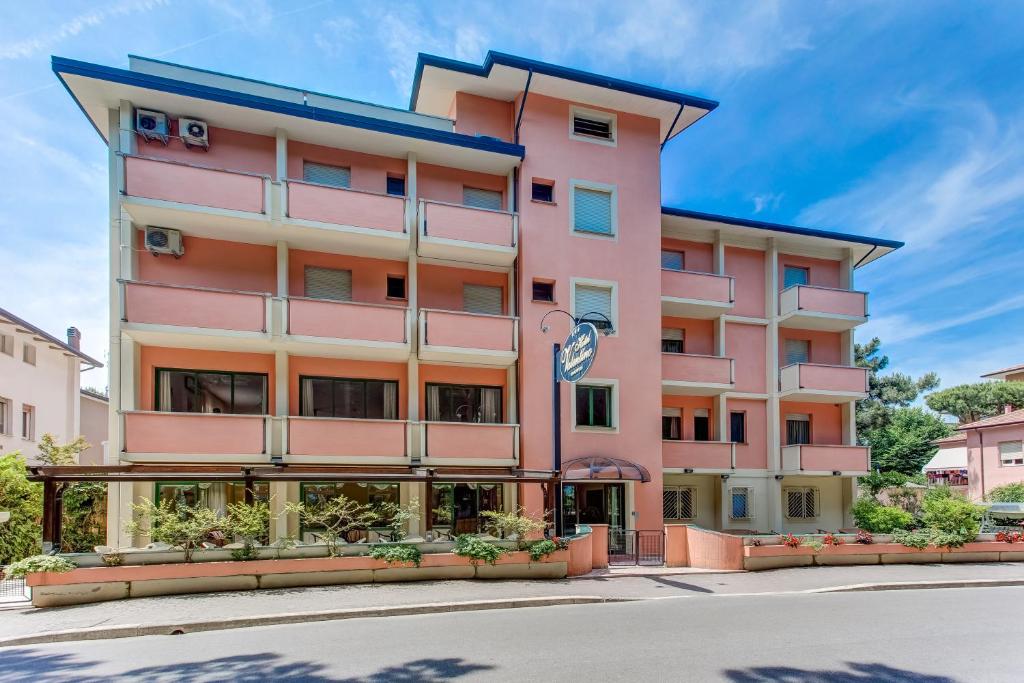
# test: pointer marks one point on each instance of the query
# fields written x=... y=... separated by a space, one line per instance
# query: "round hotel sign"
x=577 y=355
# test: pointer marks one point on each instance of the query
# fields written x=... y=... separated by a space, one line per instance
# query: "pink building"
x=349 y=297
x=995 y=454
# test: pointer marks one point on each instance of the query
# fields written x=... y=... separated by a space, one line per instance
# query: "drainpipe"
x=522 y=105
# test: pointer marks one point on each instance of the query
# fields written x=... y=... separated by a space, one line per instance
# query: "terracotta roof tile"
x=1003 y=419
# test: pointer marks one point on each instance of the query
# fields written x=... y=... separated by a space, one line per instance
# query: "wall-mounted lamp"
x=726 y=476
x=688 y=470
x=779 y=477
x=836 y=473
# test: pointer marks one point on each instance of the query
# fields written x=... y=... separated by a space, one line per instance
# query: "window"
x=798 y=429
x=481 y=199
x=396 y=185
x=323 y=174
x=740 y=499
x=797 y=351
x=701 y=425
x=801 y=502
x=28 y=422
x=679 y=502
x=673 y=260
x=593 y=406
x=355 y=398
x=671 y=424
x=738 y=427
x=593 y=126
x=363 y=493
x=28 y=354
x=544 y=291
x=1011 y=453
x=794 y=275
x=457 y=508
x=7 y=344
x=543 y=191
x=593 y=303
x=396 y=287
x=463 y=403
x=211 y=391
x=672 y=340
x=592 y=211
x=482 y=299
x=328 y=283
x=5 y=416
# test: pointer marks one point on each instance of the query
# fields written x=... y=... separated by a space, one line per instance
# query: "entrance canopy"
x=603 y=468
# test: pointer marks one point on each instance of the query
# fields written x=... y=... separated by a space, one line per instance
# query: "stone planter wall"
x=777 y=556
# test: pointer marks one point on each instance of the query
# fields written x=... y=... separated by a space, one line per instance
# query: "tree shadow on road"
x=857 y=673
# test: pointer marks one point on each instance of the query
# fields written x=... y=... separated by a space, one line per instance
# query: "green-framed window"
x=211 y=391
x=343 y=397
x=593 y=406
x=459 y=506
x=219 y=494
x=315 y=493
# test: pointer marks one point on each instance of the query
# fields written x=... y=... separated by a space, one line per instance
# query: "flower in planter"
x=832 y=540
x=1009 y=536
x=789 y=540
x=864 y=537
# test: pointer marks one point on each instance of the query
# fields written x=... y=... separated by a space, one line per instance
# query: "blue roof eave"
x=63 y=66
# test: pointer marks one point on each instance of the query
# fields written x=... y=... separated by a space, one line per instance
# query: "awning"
x=599 y=467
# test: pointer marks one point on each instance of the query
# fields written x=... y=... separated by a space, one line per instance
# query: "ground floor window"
x=740 y=498
x=801 y=502
x=457 y=508
x=593 y=406
x=371 y=493
x=214 y=495
x=679 y=502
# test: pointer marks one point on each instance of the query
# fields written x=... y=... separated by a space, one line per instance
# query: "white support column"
x=281 y=154
x=721 y=418
x=774 y=440
x=282 y=269
x=718 y=265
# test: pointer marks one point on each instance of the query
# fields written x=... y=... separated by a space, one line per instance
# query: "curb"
x=644 y=575
x=918 y=585
x=179 y=628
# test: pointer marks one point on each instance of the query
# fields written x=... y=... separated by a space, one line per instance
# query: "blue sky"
x=902 y=120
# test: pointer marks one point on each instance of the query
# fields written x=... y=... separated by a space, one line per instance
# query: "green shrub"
x=40 y=563
x=872 y=516
x=400 y=553
x=541 y=549
x=919 y=538
x=22 y=534
x=477 y=549
x=1007 y=493
x=516 y=523
x=950 y=514
x=84 y=524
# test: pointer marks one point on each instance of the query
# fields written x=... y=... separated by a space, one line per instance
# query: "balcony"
x=689 y=374
x=688 y=294
x=469 y=443
x=470 y=338
x=453 y=232
x=182 y=316
x=815 y=459
x=822 y=308
x=347 y=329
x=195 y=437
x=678 y=456
x=822 y=383
x=333 y=219
x=203 y=201
x=347 y=441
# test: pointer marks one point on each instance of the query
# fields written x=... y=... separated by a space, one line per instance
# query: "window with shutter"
x=481 y=299
x=793 y=275
x=740 y=502
x=1011 y=453
x=328 y=283
x=797 y=351
x=671 y=340
x=323 y=174
x=591 y=303
x=481 y=199
x=798 y=429
x=701 y=425
x=672 y=260
x=592 y=211
x=672 y=424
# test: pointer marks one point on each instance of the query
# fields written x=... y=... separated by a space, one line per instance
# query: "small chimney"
x=74 y=338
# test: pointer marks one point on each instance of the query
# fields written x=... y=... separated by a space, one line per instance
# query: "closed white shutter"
x=672 y=260
x=328 y=283
x=797 y=351
x=481 y=299
x=481 y=199
x=322 y=174
x=590 y=299
x=592 y=211
x=1011 y=453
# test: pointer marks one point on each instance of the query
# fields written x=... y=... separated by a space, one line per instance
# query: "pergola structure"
x=55 y=478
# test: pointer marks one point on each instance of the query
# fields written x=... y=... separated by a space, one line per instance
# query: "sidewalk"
x=667 y=583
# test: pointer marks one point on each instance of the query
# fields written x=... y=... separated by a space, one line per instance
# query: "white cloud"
x=470 y=44
x=768 y=201
x=903 y=327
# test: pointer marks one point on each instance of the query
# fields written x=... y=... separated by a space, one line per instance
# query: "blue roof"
x=778 y=227
x=554 y=70
x=62 y=65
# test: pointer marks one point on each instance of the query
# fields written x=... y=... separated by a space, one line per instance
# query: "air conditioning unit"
x=194 y=133
x=164 y=241
x=152 y=125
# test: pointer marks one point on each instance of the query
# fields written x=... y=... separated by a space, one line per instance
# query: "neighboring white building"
x=39 y=385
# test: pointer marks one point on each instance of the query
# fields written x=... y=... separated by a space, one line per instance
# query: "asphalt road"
x=967 y=634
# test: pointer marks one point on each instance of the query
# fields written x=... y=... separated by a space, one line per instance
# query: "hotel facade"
x=312 y=295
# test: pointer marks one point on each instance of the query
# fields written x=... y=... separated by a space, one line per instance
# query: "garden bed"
x=777 y=555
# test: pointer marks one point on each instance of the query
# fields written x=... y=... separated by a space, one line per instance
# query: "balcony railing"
x=706 y=455
x=156 y=303
x=348 y=320
x=176 y=181
x=826 y=380
x=460 y=336
x=467 y=224
x=695 y=373
x=815 y=458
x=691 y=294
x=357 y=439
x=344 y=206
x=469 y=443
x=203 y=435
x=822 y=308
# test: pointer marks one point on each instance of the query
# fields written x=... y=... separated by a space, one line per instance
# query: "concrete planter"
x=777 y=556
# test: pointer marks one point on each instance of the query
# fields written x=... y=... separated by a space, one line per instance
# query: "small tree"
x=334 y=517
x=50 y=453
x=395 y=516
x=21 y=535
x=515 y=523
x=250 y=522
x=180 y=526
